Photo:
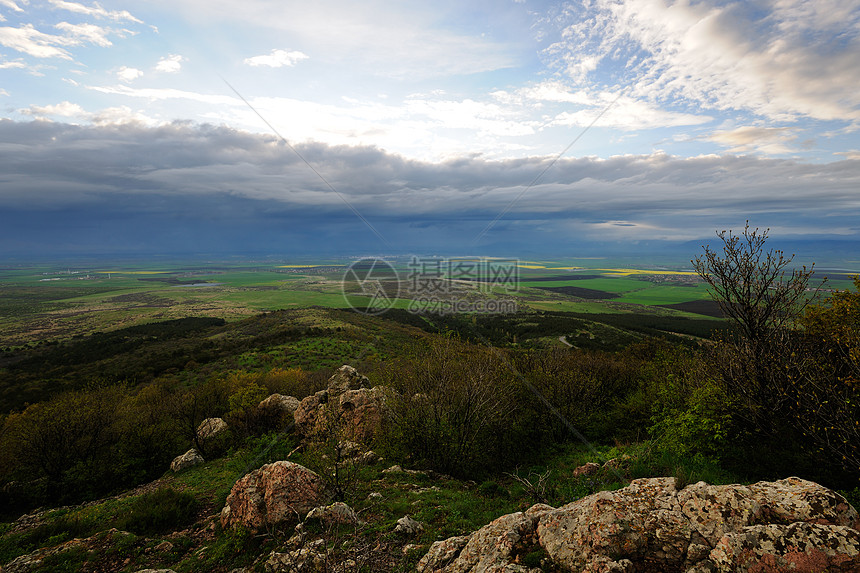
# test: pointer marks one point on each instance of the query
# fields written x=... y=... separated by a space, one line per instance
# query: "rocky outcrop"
x=210 y=427
x=801 y=546
x=588 y=469
x=337 y=513
x=276 y=494
x=495 y=547
x=346 y=407
x=408 y=526
x=652 y=527
x=187 y=460
x=346 y=378
x=284 y=405
x=311 y=558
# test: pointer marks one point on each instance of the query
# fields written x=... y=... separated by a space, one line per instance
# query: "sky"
x=501 y=127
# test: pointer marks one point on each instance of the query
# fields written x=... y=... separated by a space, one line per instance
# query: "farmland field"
x=58 y=301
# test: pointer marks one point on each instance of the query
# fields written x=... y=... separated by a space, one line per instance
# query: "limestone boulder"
x=651 y=526
x=347 y=408
x=210 y=427
x=799 y=547
x=408 y=526
x=795 y=499
x=187 y=460
x=346 y=378
x=442 y=553
x=588 y=469
x=495 y=547
x=285 y=405
x=310 y=558
x=337 y=513
x=641 y=522
x=310 y=415
x=279 y=493
x=362 y=412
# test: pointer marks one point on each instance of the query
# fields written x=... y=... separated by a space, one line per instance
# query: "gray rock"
x=408 y=526
x=187 y=460
x=800 y=546
x=210 y=427
x=346 y=378
x=442 y=553
x=651 y=526
x=286 y=404
x=277 y=493
x=336 y=513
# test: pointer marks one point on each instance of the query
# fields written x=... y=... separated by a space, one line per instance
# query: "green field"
x=43 y=302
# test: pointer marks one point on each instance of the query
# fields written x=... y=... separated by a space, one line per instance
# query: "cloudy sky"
x=504 y=126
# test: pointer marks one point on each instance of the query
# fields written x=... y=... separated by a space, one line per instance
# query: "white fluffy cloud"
x=746 y=139
x=62 y=109
x=171 y=64
x=127 y=74
x=28 y=40
x=86 y=33
x=121 y=115
x=95 y=10
x=277 y=59
x=781 y=60
x=11 y=65
x=11 y=5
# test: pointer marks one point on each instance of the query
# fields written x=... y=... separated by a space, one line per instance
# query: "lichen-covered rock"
x=276 y=494
x=588 y=469
x=337 y=513
x=408 y=526
x=794 y=499
x=442 y=553
x=641 y=522
x=650 y=526
x=495 y=547
x=362 y=413
x=714 y=510
x=346 y=408
x=286 y=405
x=801 y=547
x=210 y=427
x=307 y=413
x=346 y=378
x=187 y=460
x=310 y=558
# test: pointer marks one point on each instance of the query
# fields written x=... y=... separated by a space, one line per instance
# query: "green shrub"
x=455 y=411
x=51 y=533
x=159 y=511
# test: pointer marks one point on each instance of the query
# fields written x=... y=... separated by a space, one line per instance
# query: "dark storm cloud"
x=136 y=187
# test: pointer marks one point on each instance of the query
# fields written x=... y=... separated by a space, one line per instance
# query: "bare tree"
x=755 y=288
x=760 y=292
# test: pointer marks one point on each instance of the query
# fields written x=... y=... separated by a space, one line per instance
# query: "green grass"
x=659 y=294
x=572 y=306
x=613 y=285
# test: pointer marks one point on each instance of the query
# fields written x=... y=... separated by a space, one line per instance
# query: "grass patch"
x=162 y=510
